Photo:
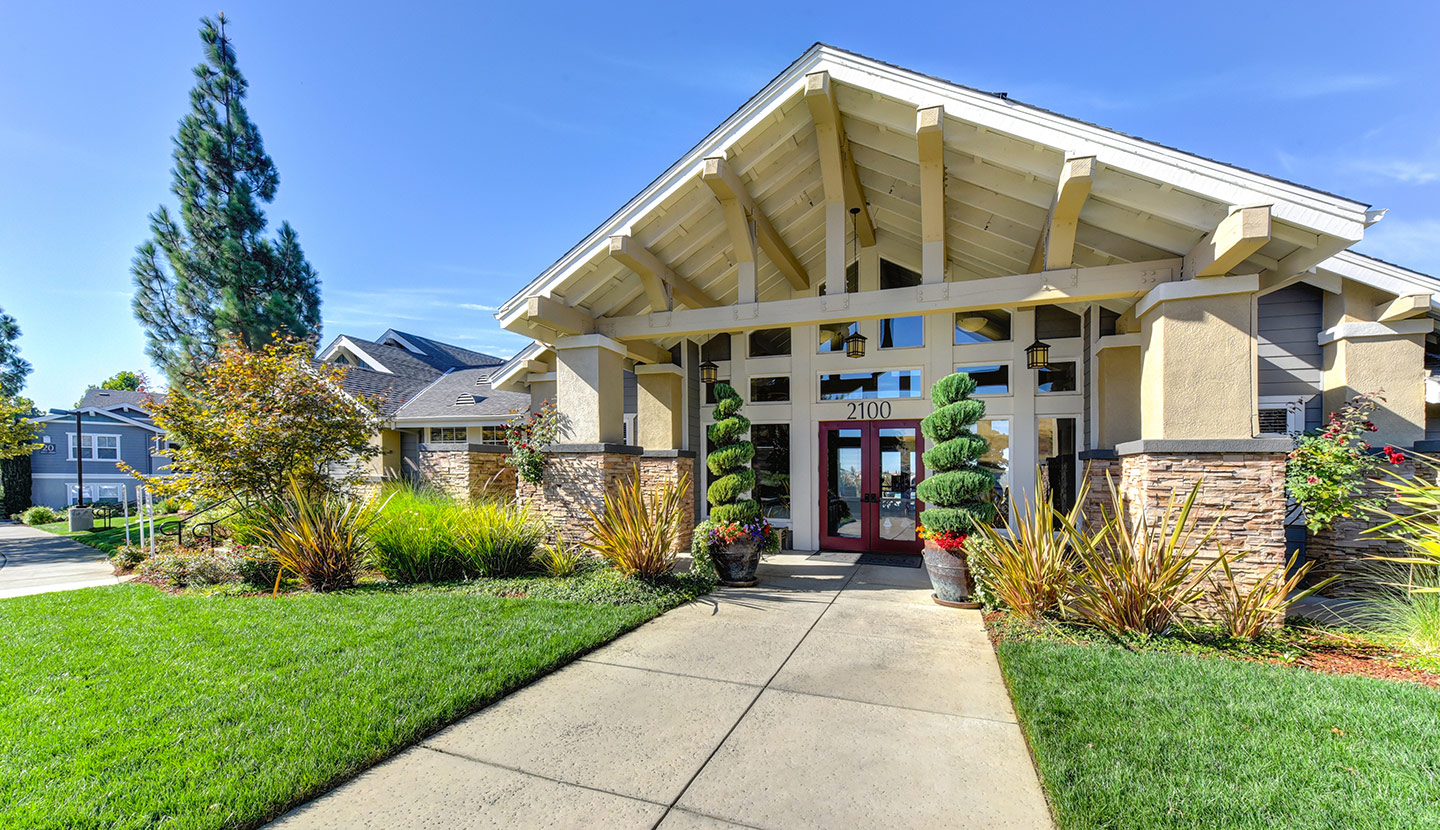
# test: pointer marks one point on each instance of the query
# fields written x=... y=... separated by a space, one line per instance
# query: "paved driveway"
x=832 y=696
x=35 y=562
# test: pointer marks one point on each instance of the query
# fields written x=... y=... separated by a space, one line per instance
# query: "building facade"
x=115 y=428
x=1194 y=312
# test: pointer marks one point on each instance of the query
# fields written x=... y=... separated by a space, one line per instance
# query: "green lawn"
x=128 y=707
x=106 y=539
x=1148 y=739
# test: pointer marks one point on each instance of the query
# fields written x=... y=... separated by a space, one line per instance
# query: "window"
x=710 y=391
x=770 y=343
x=492 y=435
x=1055 y=323
x=162 y=446
x=985 y=326
x=772 y=468
x=1055 y=442
x=852 y=279
x=989 y=380
x=447 y=435
x=896 y=276
x=1057 y=377
x=902 y=332
x=848 y=386
x=716 y=348
x=96 y=492
x=770 y=390
x=96 y=447
x=996 y=431
x=832 y=336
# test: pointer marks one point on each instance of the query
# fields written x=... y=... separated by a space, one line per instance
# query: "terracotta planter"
x=735 y=564
x=949 y=576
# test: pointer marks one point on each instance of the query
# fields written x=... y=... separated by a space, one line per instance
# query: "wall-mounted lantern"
x=1037 y=356
x=855 y=345
x=708 y=371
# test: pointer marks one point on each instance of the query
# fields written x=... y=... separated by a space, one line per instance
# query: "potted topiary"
x=735 y=534
x=957 y=489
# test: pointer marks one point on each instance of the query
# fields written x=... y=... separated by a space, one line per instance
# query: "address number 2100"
x=868 y=410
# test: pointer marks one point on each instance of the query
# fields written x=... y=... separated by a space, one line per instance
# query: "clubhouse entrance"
x=868 y=473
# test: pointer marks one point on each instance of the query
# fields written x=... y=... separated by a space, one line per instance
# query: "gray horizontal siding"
x=1289 y=352
x=135 y=446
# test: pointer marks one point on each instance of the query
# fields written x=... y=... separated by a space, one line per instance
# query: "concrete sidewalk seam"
x=753 y=700
x=519 y=771
x=615 y=665
x=895 y=706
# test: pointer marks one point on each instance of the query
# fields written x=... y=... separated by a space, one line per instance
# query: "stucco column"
x=1361 y=356
x=1197 y=359
x=1117 y=368
x=660 y=407
x=590 y=387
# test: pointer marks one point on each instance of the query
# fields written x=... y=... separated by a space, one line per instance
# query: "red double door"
x=868 y=473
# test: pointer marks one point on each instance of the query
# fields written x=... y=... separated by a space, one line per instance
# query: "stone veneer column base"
x=477 y=472
x=1243 y=484
x=577 y=476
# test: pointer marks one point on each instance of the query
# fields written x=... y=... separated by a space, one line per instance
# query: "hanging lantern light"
x=1037 y=356
x=855 y=345
x=707 y=372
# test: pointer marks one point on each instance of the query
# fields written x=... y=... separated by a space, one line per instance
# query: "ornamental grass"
x=321 y=538
x=1030 y=567
x=636 y=531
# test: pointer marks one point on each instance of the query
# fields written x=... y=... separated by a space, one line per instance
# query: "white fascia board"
x=521 y=361
x=1392 y=279
x=347 y=343
x=103 y=413
x=391 y=334
x=466 y=421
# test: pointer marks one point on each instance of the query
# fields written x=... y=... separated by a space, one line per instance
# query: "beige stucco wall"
x=1392 y=365
x=659 y=407
x=1119 y=395
x=1197 y=360
x=590 y=389
x=387 y=463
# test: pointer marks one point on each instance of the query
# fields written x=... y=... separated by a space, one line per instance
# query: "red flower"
x=1311 y=480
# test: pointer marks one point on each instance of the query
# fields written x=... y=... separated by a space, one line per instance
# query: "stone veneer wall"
x=1247 y=490
x=1096 y=469
x=1343 y=548
x=469 y=474
x=660 y=469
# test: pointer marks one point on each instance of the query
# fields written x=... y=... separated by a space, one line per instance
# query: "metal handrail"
x=176 y=527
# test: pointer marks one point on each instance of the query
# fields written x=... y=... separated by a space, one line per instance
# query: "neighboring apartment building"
x=115 y=426
x=856 y=231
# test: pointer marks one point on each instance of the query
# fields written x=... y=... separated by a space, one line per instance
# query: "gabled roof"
x=460 y=395
x=437 y=354
x=409 y=355
x=392 y=390
x=106 y=398
x=1003 y=161
x=97 y=412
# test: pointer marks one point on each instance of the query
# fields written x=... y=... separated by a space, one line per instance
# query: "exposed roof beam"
x=1242 y=233
x=646 y=351
x=637 y=258
x=1056 y=246
x=1403 y=308
x=930 y=140
x=837 y=164
x=1130 y=280
x=739 y=206
x=554 y=315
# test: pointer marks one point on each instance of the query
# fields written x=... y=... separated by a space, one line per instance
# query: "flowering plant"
x=720 y=534
x=1328 y=468
x=528 y=438
x=947 y=539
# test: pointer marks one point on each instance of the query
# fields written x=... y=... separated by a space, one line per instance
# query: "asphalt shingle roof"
x=105 y=398
x=464 y=393
x=394 y=391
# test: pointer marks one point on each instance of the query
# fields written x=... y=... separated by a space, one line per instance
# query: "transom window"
x=448 y=435
x=983 y=326
x=902 y=332
x=492 y=435
x=832 y=336
x=1057 y=377
x=849 y=386
x=770 y=390
x=95 y=447
x=989 y=380
x=770 y=343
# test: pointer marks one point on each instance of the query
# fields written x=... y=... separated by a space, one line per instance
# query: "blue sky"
x=434 y=158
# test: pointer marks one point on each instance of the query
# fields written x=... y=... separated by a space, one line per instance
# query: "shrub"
x=319 y=537
x=558 y=558
x=39 y=515
x=729 y=463
x=257 y=566
x=636 y=532
x=1244 y=611
x=184 y=568
x=1327 y=469
x=126 y=557
x=982 y=591
x=528 y=437
x=1137 y=573
x=1414 y=520
x=957 y=488
x=1030 y=567
x=497 y=538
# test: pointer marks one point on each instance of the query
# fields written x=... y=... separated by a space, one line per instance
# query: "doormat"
x=889 y=560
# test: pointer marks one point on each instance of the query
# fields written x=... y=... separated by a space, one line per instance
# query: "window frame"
x=1007 y=365
x=92 y=439
x=919 y=384
x=881 y=333
x=789 y=389
x=464 y=431
x=1079 y=378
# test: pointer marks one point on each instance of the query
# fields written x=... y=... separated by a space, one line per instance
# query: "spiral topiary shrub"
x=957 y=489
x=729 y=463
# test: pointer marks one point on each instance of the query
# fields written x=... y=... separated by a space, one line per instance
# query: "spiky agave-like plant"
x=730 y=461
x=957 y=488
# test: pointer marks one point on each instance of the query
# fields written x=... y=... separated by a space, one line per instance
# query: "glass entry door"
x=868 y=473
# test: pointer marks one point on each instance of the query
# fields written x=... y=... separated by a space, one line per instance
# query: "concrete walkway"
x=833 y=696
x=35 y=562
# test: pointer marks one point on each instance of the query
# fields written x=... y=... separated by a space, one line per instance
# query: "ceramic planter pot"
x=949 y=576
x=735 y=564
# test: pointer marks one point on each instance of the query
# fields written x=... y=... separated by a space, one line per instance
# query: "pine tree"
x=218 y=278
x=957 y=488
x=13 y=368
